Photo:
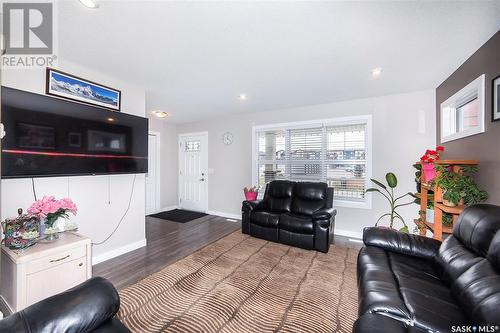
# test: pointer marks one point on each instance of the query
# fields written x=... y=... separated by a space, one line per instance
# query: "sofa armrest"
x=323 y=222
x=248 y=206
x=400 y=242
x=379 y=323
x=112 y=326
x=81 y=309
x=324 y=214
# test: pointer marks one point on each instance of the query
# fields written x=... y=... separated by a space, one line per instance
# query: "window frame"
x=341 y=121
x=459 y=99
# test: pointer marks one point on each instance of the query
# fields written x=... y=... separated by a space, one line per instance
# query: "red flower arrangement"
x=432 y=155
x=429 y=172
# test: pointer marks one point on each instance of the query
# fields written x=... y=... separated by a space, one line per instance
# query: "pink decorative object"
x=51 y=209
x=429 y=171
x=251 y=196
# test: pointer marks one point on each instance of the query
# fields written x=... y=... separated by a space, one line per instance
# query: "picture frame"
x=71 y=87
x=495 y=116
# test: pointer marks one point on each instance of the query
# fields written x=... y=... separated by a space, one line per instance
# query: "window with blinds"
x=327 y=152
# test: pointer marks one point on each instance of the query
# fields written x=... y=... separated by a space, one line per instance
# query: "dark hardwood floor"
x=167 y=242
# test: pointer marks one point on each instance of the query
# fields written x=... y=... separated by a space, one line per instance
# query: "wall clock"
x=227 y=138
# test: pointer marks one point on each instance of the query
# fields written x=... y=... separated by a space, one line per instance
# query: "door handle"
x=202 y=179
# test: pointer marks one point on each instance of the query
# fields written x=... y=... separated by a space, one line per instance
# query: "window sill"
x=367 y=204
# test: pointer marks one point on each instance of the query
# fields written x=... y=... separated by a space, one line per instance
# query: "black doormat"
x=178 y=215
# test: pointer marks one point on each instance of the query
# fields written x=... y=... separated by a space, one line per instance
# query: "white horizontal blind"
x=271 y=156
x=305 y=154
x=330 y=153
x=346 y=161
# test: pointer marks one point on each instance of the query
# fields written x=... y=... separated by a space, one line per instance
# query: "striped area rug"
x=243 y=284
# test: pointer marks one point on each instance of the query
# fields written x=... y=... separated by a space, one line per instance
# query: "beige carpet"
x=243 y=284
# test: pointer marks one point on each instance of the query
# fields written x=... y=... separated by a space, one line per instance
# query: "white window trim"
x=478 y=85
x=158 y=169
x=367 y=119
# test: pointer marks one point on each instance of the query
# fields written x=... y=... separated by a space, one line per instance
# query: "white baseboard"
x=118 y=252
x=210 y=212
x=164 y=209
x=340 y=232
x=348 y=233
x=345 y=233
x=226 y=215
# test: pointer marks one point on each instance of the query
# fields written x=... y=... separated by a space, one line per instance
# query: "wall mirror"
x=462 y=114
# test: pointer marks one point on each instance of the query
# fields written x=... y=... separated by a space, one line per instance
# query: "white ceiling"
x=195 y=58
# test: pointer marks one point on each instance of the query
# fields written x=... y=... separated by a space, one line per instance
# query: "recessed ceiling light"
x=376 y=72
x=111 y=119
x=89 y=3
x=242 y=97
x=160 y=114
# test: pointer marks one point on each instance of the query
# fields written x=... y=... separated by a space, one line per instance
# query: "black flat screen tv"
x=47 y=136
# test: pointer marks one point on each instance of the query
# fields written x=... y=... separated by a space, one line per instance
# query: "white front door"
x=193 y=166
x=152 y=175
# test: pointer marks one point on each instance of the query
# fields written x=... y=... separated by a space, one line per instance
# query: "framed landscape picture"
x=496 y=99
x=68 y=86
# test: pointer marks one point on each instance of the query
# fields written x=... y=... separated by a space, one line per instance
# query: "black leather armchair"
x=409 y=283
x=89 y=307
x=294 y=213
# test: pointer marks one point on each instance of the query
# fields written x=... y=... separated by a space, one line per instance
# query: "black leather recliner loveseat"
x=409 y=283
x=295 y=213
x=89 y=307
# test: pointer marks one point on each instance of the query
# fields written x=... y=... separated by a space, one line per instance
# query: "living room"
x=250 y=166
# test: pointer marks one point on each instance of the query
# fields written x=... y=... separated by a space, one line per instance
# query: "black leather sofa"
x=89 y=307
x=295 y=213
x=409 y=283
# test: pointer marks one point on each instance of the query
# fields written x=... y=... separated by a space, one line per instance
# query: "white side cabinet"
x=44 y=269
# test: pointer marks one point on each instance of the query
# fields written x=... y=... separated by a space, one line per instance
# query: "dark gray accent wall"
x=484 y=147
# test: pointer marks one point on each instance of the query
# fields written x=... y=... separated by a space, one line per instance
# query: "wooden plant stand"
x=437 y=226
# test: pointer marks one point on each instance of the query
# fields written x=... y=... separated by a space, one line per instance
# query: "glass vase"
x=50 y=234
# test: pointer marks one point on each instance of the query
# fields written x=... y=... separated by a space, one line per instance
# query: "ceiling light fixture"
x=376 y=72
x=89 y=3
x=111 y=119
x=160 y=114
x=242 y=97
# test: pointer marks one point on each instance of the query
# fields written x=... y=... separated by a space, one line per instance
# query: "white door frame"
x=158 y=172
x=179 y=146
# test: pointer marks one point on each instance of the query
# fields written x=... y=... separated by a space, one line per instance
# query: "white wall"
x=101 y=200
x=403 y=127
x=168 y=160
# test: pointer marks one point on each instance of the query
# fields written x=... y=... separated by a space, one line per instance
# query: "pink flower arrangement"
x=51 y=209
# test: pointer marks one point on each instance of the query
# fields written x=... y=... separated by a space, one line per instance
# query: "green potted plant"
x=387 y=191
x=459 y=188
x=447 y=220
